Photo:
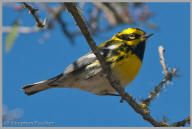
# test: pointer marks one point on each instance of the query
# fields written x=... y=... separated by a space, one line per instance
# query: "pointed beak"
x=147 y=36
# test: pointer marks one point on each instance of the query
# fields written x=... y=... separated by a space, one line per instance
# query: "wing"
x=80 y=64
x=88 y=63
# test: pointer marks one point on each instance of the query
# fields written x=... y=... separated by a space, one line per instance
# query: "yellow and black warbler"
x=123 y=53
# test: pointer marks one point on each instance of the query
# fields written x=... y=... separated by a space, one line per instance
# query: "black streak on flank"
x=120 y=58
x=137 y=50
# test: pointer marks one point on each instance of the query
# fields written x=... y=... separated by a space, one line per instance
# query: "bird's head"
x=132 y=36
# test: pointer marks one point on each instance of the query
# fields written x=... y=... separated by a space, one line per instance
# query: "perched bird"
x=123 y=53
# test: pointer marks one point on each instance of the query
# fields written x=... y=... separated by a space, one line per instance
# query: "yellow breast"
x=126 y=69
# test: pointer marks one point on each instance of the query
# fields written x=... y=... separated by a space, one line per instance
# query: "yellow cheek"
x=133 y=42
x=132 y=38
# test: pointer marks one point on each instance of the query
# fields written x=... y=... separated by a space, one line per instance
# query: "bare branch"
x=181 y=123
x=108 y=13
x=22 y=29
x=114 y=83
x=55 y=14
x=169 y=74
x=162 y=60
x=16 y=7
x=33 y=11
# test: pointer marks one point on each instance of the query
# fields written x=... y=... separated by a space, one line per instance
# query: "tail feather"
x=40 y=86
x=34 y=88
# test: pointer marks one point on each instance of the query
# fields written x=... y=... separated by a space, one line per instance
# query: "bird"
x=123 y=53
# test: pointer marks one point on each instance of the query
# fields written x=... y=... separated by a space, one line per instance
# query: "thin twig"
x=33 y=11
x=116 y=14
x=22 y=29
x=55 y=15
x=181 y=123
x=169 y=74
x=162 y=60
x=108 y=13
x=114 y=83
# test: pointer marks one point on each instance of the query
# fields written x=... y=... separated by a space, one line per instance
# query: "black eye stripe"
x=126 y=36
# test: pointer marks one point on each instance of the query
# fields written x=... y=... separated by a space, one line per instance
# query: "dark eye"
x=123 y=37
x=132 y=35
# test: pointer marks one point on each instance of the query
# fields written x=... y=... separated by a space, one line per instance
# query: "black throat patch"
x=139 y=50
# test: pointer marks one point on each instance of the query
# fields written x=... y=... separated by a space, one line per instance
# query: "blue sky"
x=30 y=61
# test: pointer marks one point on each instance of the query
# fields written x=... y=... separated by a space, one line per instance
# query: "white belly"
x=99 y=86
